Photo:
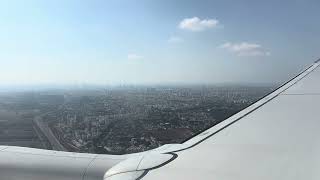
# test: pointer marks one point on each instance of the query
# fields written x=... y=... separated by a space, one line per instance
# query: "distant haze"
x=117 y=42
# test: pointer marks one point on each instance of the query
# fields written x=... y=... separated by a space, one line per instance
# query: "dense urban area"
x=117 y=120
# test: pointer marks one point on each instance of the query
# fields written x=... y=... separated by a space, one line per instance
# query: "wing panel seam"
x=256 y=105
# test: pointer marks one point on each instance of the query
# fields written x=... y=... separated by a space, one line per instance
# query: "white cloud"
x=196 y=24
x=175 y=39
x=134 y=56
x=246 y=49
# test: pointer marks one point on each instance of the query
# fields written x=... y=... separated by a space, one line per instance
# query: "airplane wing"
x=275 y=138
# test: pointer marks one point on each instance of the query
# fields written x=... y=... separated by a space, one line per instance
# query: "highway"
x=43 y=126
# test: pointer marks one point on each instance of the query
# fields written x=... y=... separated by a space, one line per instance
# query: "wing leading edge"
x=275 y=138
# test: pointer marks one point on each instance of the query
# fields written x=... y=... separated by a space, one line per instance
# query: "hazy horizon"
x=49 y=87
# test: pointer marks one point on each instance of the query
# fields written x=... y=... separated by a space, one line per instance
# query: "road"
x=43 y=126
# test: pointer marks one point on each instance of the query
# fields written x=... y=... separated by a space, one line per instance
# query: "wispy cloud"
x=134 y=56
x=245 y=49
x=196 y=24
x=175 y=39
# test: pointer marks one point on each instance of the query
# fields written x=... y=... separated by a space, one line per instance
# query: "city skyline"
x=119 y=120
x=155 y=42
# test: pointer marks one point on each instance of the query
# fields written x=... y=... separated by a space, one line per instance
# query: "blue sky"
x=156 y=42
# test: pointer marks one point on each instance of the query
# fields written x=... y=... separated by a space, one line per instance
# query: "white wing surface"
x=278 y=137
x=275 y=138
